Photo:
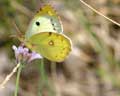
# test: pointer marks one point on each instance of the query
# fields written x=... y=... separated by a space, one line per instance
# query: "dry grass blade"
x=100 y=13
x=2 y=85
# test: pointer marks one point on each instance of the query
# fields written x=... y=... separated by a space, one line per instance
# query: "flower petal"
x=14 y=48
x=20 y=49
x=22 y=53
x=34 y=56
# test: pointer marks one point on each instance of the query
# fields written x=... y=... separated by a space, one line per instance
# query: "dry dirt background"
x=92 y=68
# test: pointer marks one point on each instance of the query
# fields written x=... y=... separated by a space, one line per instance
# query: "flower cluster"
x=23 y=53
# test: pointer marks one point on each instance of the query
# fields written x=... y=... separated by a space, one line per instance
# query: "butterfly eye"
x=38 y=23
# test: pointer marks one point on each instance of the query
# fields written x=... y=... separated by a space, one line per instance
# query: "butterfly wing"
x=46 y=20
x=53 y=46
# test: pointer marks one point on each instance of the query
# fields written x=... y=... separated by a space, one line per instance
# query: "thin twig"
x=99 y=13
x=2 y=85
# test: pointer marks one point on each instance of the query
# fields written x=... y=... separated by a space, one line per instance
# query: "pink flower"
x=22 y=53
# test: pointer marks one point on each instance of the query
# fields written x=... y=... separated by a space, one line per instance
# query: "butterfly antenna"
x=17 y=29
x=19 y=34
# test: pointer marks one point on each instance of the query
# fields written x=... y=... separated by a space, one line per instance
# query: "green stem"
x=44 y=83
x=42 y=74
x=17 y=79
x=53 y=69
x=42 y=70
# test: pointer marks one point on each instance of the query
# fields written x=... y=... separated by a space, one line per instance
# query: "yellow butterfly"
x=44 y=35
